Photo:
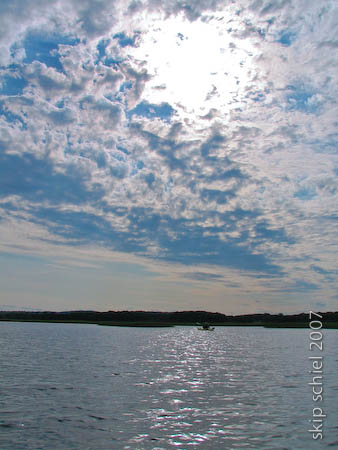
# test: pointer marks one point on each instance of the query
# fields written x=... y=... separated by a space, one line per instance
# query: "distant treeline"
x=151 y=318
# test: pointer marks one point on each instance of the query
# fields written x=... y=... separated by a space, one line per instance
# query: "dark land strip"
x=169 y=319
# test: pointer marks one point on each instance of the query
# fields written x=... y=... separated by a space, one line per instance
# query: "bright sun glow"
x=195 y=66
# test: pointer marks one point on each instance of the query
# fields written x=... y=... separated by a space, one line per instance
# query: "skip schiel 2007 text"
x=316 y=347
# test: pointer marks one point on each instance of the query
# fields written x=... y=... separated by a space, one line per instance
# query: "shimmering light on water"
x=70 y=386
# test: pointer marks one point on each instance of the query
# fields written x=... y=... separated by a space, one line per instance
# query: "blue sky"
x=168 y=155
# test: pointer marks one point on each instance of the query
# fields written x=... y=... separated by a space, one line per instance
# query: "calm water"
x=66 y=386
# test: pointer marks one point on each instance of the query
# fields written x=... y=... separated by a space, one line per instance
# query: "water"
x=69 y=386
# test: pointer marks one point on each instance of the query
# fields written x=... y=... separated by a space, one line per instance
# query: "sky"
x=174 y=155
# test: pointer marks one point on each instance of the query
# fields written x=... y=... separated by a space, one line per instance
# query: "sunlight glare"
x=195 y=66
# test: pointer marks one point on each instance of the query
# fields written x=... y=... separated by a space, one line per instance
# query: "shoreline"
x=332 y=325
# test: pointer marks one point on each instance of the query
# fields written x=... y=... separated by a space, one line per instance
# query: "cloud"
x=210 y=150
x=203 y=276
x=301 y=286
x=36 y=180
x=44 y=47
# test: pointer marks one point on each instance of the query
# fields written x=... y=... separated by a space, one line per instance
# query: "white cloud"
x=232 y=138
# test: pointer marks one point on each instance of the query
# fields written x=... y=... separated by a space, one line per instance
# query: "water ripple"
x=80 y=386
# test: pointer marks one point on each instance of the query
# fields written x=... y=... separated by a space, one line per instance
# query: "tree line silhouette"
x=157 y=318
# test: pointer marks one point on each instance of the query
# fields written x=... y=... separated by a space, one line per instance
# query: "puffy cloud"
x=211 y=148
